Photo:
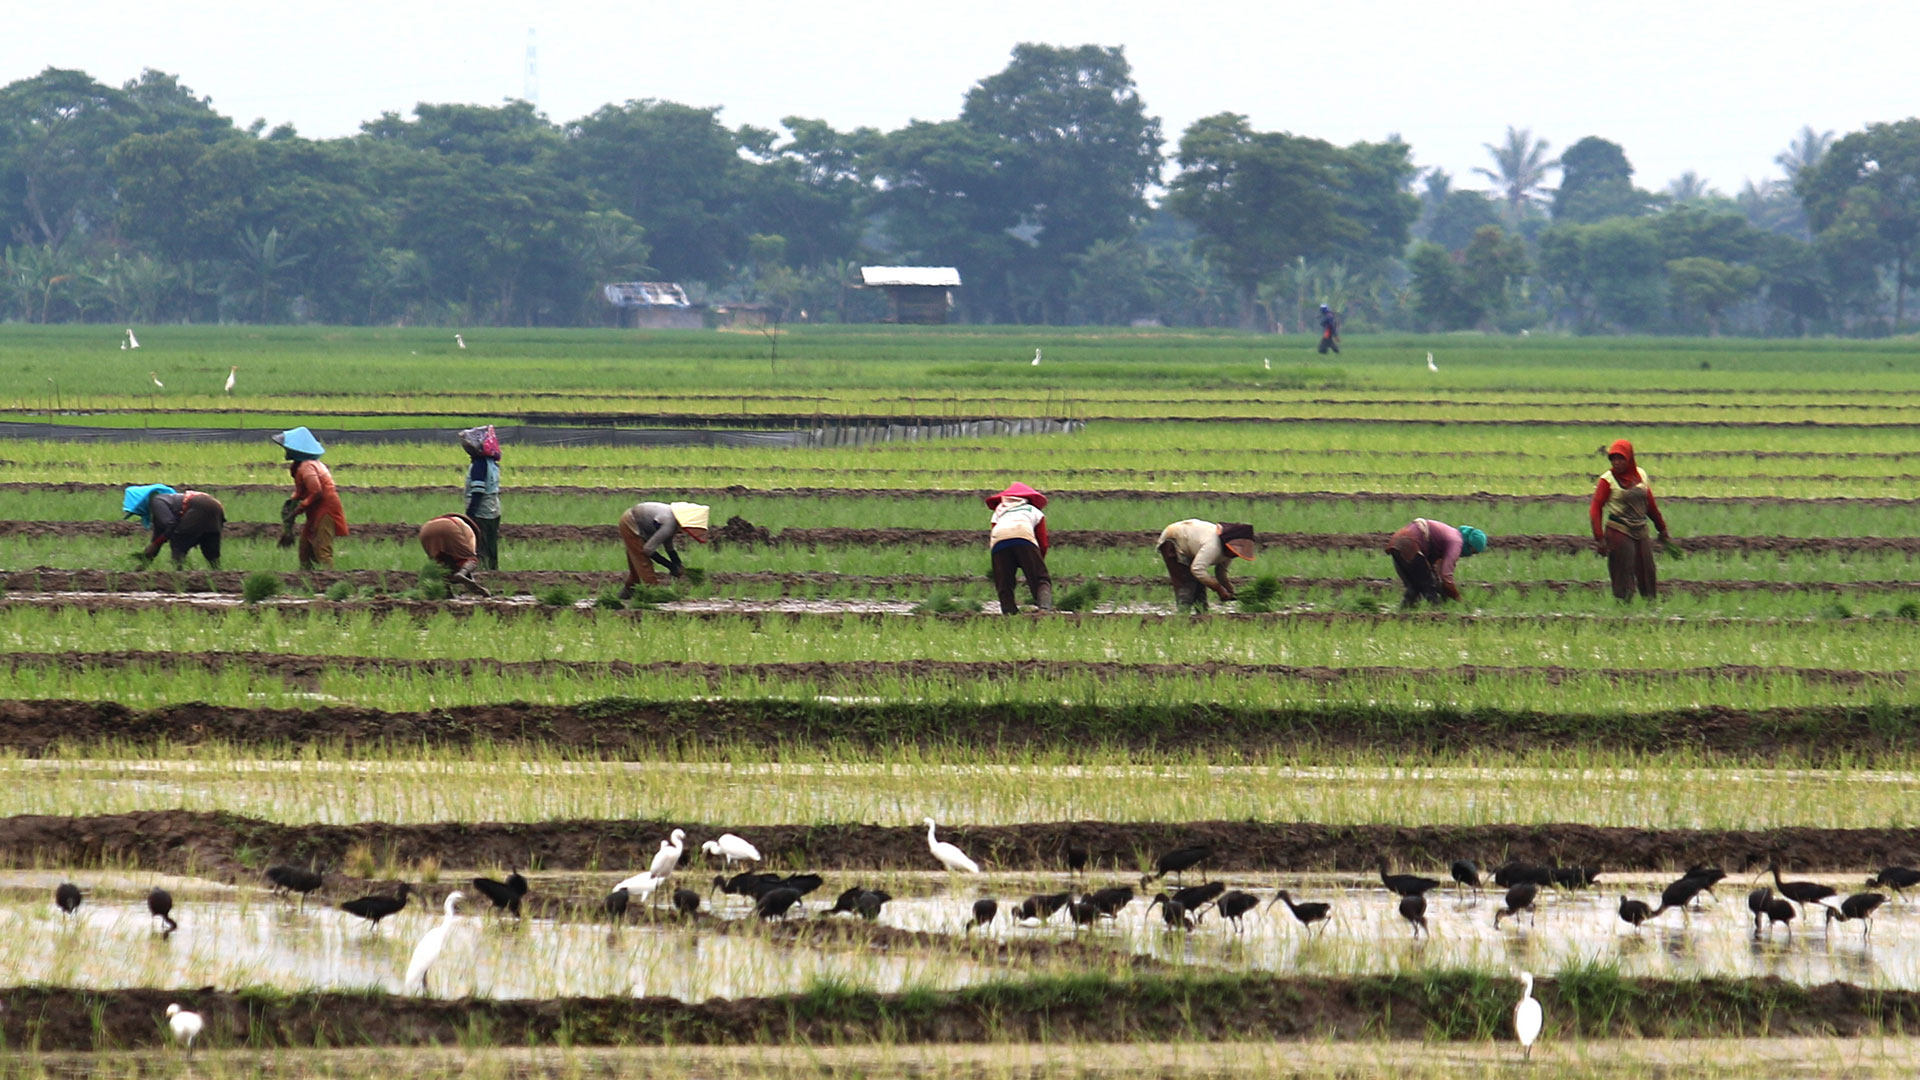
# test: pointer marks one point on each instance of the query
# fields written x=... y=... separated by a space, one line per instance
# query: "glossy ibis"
x=66 y=897
x=1897 y=878
x=802 y=883
x=1414 y=910
x=1405 y=884
x=1757 y=904
x=293 y=879
x=1510 y=874
x=1112 y=899
x=1173 y=912
x=1040 y=908
x=951 y=857
x=1573 y=877
x=1308 y=913
x=160 y=906
x=376 y=907
x=184 y=1026
x=1195 y=897
x=748 y=883
x=984 y=912
x=861 y=901
x=1680 y=894
x=1858 y=906
x=506 y=895
x=1800 y=892
x=1075 y=856
x=1526 y=1017
x=1084 y=912
x=1466 y=873
x=428 y=951
x=1235 y=904
x=776 y=903
x=732 y=849
x=617 y=904
x=1634 y=912
x=1519 y=898
x=1178 y=861
x=686 y=902
x=1779 y=911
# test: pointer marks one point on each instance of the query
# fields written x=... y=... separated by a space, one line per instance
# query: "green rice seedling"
x=1081 y=597
x=608 y=600
x=339 y=590
x=432 y=582
x=941 y=603
x=1261 y=596
x=555 y=596
x=260 y=585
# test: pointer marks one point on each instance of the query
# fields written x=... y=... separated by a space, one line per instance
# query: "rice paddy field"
x=834 y=671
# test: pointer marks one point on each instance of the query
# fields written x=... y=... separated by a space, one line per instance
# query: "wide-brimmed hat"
x=300 y=441
x=1237 y=538
x=1018 y=490
x=689 y=515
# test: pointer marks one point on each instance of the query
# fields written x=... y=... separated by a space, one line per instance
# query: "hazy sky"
x=1719 y=87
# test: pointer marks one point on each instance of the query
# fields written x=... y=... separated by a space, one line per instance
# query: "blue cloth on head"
x=135 y=501
x=300 y=441
x=1472 y=540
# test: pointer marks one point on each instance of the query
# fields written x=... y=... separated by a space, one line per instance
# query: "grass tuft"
x=260 y=585
x=1079 y=598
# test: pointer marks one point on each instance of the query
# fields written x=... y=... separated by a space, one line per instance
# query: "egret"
x=1268 y=362
x=1173 y=912
x=160 y=906
x=686 y=902
x=1112 y=899
x=425 y=953
x=1800 y=892
x=287 y=879
x=732 y=849
x=376 y=907
x=984 y=911
x=132 y=342
x=640 y=886
x=1526 y=1017
x=1405 y=884
x=460 y=341
x=1431 y=366
x=1414 y=910
x=1858 y=906
x=1234 y=905
x=776 y=903
x=506 y=895
x=1178 y=861
x=668 y=857
x=232 y=373
x=155 y=376
x=1036 y=358
x=951 y=857
x=1307 y=914
x=66 y=897
x=1466 y=873
x=1897 y=878
x=1634 y=912
x=1757 y=901
x=185 y=1026
x=1519 y=898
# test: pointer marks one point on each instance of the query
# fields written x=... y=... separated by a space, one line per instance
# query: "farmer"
x=648 y=529
x=483 y=491
x=1193 y=546
x=1017 y=540
x=314 y=496
x=1424 y=555
x=449 y=540
x=1329 y=331
x=183 y=519
x=1622 y=506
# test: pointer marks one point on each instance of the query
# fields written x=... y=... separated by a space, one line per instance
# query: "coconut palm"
x=1689 y=187
x=1804 y=152
x=1520 y=168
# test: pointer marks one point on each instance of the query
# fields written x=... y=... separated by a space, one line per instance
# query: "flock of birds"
x=129 y=341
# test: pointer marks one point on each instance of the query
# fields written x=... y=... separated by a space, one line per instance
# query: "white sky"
x=1719 y=87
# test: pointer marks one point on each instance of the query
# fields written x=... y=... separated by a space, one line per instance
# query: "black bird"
x=686 y=902
x=1414 y=910
x=1405 y=884
x=1779 y=911
x=1858 y=906
x=861 y=901
x=775 y=903
x=1757 y=903
x=1084 y=912
x=504 y=894
x=160 y=906
x=1711 y=875
x=1175 y=913
x=1112 y=899
x=1634 y=911
x=1178 y=861
x=293 y=879
x=1195 y=897
x=1519 y=898
x=802 y=883
x=66 y=897
x=1235 y=904
x=747 y=883
x=1076 y=856
x=376 y=907
x=617 y=903
x=984 y=912
x=1897 y=878
x=1680 y=894
x=1573 y=877
x=1040 y=908
x=1514 y=873
x=1466 y=873
x=1308 y=913
x=1800 y=892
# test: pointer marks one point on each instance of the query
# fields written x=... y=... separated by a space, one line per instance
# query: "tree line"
x=1054 y=191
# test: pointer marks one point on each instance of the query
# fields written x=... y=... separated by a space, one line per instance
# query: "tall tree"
x=1804 y=152
x=1867 y=185
x=1520 y=168
x=946 y=198
x=1690 y=187
x=1596 y=183
x=55 y=131
x=673 y=169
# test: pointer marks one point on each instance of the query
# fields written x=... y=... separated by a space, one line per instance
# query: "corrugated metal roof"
x=936 y=276
x=646 y=294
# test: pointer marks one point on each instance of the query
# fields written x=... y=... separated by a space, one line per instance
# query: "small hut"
x=915 y=294
x=654 y=305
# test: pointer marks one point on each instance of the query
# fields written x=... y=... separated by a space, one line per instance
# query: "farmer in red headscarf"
x=1017 y=539
x=1622 y=507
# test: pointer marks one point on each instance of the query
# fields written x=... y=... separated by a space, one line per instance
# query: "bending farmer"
x=1622 y=506
x=1017 y=539
x=449 y=540
x=1193 y=546
x=648 y=530
x=183 y=519
x=483 y=491
x=1424 y=555
x=314 y=496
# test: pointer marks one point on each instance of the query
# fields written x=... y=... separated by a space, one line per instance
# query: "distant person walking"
x=1622 y=507
x=1329 y=331
x=648 y=529
x=1193 y=547
x=1017 y=543
x=482 y=445
x=1424 y=555
x=314 y=496
x=449 y=540
x=183 y=520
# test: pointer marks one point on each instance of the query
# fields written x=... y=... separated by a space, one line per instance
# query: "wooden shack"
x=654 y=305
x=915 y=294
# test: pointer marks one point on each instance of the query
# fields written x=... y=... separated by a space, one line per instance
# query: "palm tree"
x=1689 y=187
x=1804 y=152
x=1520 y=168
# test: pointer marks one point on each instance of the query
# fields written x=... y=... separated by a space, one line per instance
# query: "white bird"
x=1526 y=1016
x=155 y=376
x=231 y=372
x=668 y=856
x=950 y=857
x=731 y=848
x=1431 y=366
x=639 y=887
x=132 y=342
x=425 y=953
x=1036 y=358
x=460 y=341
x=186 y=1026
x=1268 y=362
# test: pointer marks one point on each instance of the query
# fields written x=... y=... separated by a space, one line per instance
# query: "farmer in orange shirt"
x=314 y=496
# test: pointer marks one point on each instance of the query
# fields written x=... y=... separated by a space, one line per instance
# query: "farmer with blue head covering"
x=183 y=519
x=1424 y=555
x=314 y=496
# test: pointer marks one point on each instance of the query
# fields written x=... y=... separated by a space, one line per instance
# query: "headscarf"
x=1231 y=531
x=135 y=502
x=1018 y=490
x=1629 y=470
x=689 y=515
x=1472 y=540
x=481 y=441
x=299 y=441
